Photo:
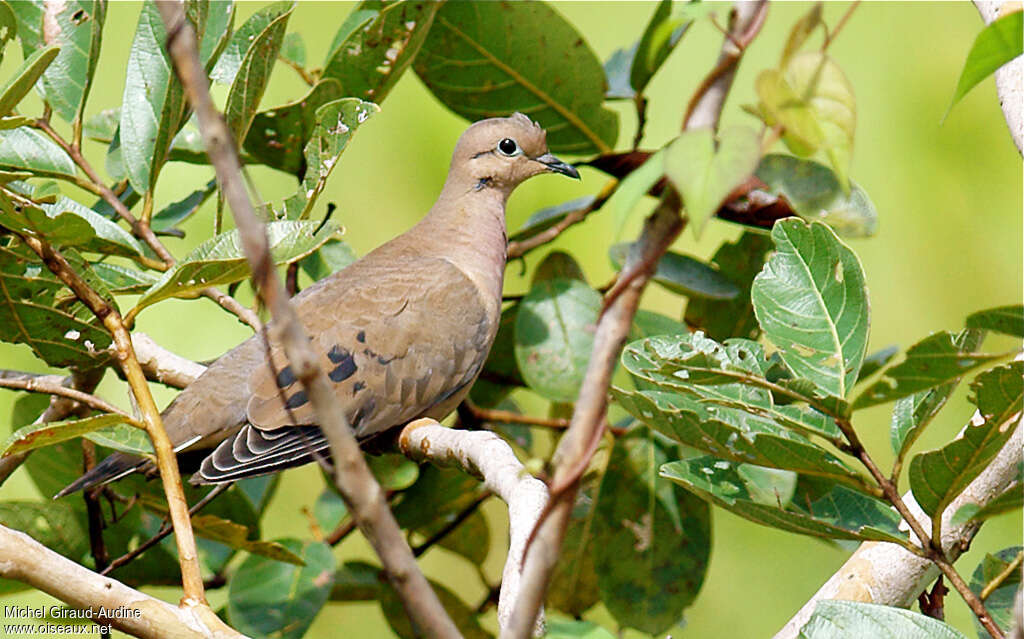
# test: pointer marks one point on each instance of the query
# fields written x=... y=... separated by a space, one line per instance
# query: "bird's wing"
x=396 y=341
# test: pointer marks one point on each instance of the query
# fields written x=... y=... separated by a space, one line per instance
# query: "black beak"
x=557 y=166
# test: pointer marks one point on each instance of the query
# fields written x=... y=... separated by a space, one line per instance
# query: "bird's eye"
x=508 y=147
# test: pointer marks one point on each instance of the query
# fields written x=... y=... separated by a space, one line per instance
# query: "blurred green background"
x=949 y=243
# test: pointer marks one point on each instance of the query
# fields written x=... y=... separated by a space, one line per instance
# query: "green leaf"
x=330 y=258
x=123 y=280
x=937 y=477
x=558 y=265
x=22 y=80
x=1009 y=501
x=547 y=217
x=801 y=30
x=465 y=618
x=67 y=223
x=8 y=26
x=225 y=71
x=706 y=174
x=221 y=260
x=26 y=149
x=997 y=44
x=554 y=336
x=435 y=499
x=911 y=414
x=813 y=102
x=811 y=302
x=38 y=435
x=54 y=524
x=270 y=598
x=933 y=361
x=216 y=21
x=649 y=324
x=124 y=438
x=501 y=363
x=357 y=581
x=36 y=309
x=374 y=54
x=278 y=136
x=293 y=50
x=335 y=123
x=616 y=72
x=393 y=471
x=682 y=274
x=1008 y=320
x=177 y=212
x=661 y=35
x=837 y=619
x=832 y=511
x=999 y=603
x=262 y=46
x=876 y=361
x=634 y=186
x=13 y=122
x=573 y=588
x=816 y=194
x=236 y=536
x=576 y=629
x=153 y=104
x=471 y=539
x=329 y=509
x=733 y=434
x=473 y=62
x=653 y=539
x=739 y=262
x=76 y=27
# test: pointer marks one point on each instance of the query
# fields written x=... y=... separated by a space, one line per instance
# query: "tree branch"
x=361 y=492
x=887 y=574
x=161 y=365
x=487 y=456
x=1009 y=77
x=55 y=385
x=26 y=560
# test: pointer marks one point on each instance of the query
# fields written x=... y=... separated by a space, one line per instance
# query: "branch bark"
x=1009 y=77
x=884 y=573
x=26 y=560
x=487 y=456
x=161 y=365
x=361 y=492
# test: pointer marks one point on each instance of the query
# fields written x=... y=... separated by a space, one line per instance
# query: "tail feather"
x=112 y=468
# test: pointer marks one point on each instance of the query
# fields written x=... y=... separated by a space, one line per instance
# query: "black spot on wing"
x=358 y=386
x=286 y=377
x=296 y=400
x=345 y=369
x=361 y=337
x=337 y=354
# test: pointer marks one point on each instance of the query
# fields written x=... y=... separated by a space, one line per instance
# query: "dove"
x=401 y=333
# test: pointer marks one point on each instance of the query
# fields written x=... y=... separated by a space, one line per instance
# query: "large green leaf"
x=739 y=262
x=999 y=602
x=816 y=194
x=811 y=302
x=438 y=496
x=573 y=588
x=22 y=80
x=53 y=524
x=490 y=59
x=997 y=44
x=38 y=435
x=221 y=260
x=76 y=26
x=837 y=619
x=237 y=536
x=682 y=274
x=554 y=336
x=153 y=104
x=262 y=46
x=335 y=123
x=36 y=309
x=278 y=136
x=830 y=510
x=911 y=414
x=26 y=149
x=813 y=102
x=652 y=540
x=933 y=361
x=706 y=173
x=271 y=598
x=937 y=477
x=372 y=53
x=1004 y=319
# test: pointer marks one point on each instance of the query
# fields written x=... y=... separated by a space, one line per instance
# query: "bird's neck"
x=469 y=225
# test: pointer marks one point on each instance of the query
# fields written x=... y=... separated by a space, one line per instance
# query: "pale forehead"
x=486 y=133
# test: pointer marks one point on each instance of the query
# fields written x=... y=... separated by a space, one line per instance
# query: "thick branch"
x=161 y=365
x=26 y=560
x=487 y=456
x=1009 y=77
x=361 y=492
x=887 y=574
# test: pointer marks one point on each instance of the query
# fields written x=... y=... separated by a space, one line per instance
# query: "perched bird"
x=402 y=333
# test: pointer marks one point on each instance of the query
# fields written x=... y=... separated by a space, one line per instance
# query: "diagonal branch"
x=361 y=492
x=55 y=385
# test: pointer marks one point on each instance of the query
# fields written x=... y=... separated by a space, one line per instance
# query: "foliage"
x=748 y=401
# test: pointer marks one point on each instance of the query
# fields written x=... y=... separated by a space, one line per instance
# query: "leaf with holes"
x=817 y=508
x=938 y=476
x=554 y=336
x=267 y=597
x=682 y=274
x=221 y=260
x=374 y=54
x=706 y=174
x=811 y=302
x=651 y=540
x=490 y=59
x=933 y=361
x=1008 y=320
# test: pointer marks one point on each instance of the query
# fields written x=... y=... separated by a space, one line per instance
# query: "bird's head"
x=503 y=152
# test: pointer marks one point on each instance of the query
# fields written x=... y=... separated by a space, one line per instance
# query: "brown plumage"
x=402 y=333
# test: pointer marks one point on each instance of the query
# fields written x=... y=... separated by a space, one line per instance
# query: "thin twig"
x=830 y=36
x=360 y=491
x=522 y=247
x=497 y=416
x=1003 y=575
x=54 y=385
